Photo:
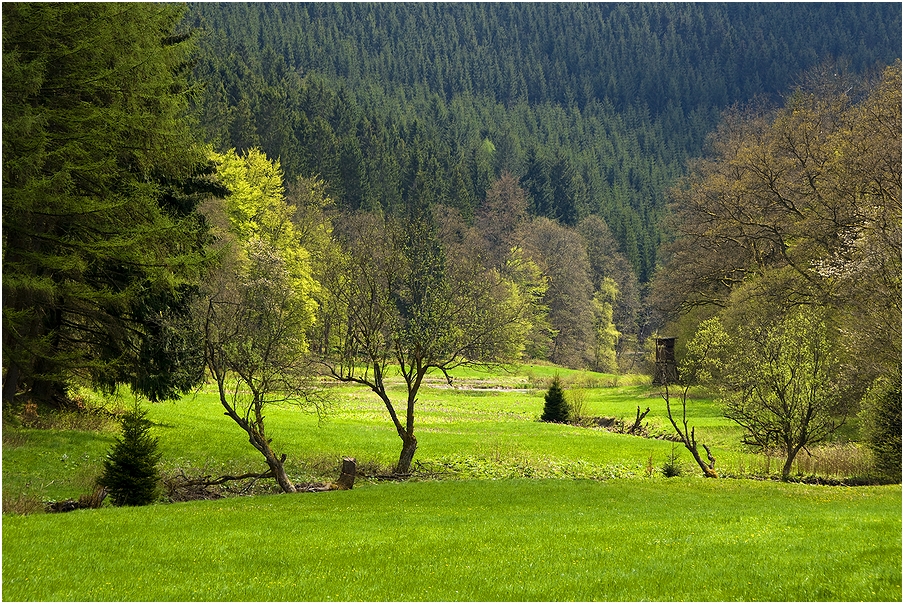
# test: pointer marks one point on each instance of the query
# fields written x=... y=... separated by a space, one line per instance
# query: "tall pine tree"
x=101 y=176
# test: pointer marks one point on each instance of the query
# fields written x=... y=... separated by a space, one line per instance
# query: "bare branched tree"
x=399 y=303
x=254 y=328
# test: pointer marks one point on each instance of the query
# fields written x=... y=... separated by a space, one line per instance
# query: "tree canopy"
x=801 y=206
x=594 y=107
x=402 y=299
x=101 y=176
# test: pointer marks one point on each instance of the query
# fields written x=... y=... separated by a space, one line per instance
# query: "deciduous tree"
x=693 y=370
x=802 y=205
x=399 y=301
x=561 y=255
x=780 y=380
x=258 y=304
x=608 y=262
x=500 y=217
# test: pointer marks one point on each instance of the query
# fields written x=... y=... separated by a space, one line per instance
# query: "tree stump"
x=347 y=475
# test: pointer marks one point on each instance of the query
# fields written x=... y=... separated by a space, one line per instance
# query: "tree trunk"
x=409 y=445
x=688 y=440
x=50 y=392
x=708 y=469
x=790 y=458
x=638 y=418
x=10 y=383
x=279 y=473
x=347 y=475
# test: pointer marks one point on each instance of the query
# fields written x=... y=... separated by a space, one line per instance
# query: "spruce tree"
x=130 y=469
x=556 y=409
x=881 y=426
x=101 y=178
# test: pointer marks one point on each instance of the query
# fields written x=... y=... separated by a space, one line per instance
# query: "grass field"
x=661 y=540
x=485 y=427
x=536 y=511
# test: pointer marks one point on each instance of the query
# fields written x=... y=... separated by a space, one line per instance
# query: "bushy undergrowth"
x=476 y=467
x=22 y=504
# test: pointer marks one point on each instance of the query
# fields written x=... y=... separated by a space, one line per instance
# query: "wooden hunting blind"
x=666 y=371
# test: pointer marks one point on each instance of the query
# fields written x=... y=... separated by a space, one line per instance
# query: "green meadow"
x=500 y=507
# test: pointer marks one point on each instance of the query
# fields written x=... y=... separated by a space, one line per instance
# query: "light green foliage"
x=256 y=202
x=260 y=302
x=607 y=336
x=264 y=290
x=704 y=355
x=528 y=287
x=260 y=216
x=779 y=380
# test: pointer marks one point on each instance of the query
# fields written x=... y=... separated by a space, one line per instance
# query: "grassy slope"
x=467 y=431
x=640 y=539
x=477 y=432
x=656 y=539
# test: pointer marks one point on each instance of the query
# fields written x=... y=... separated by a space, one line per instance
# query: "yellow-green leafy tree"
x=260 y=302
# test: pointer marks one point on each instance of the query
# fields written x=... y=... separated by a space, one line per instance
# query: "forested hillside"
x=463 y=182
x=594 y=107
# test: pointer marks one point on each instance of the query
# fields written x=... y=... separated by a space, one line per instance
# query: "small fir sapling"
x=672 y=467
x=556 y=408
x=130 y=468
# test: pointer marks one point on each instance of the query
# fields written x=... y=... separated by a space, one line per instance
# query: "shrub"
x=130 y=469
x=672 y=468
x=22 y=504
x=577 y=403
x=881 y=426
x=556 y=409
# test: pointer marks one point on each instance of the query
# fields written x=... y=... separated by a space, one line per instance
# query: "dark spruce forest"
x=595 y=108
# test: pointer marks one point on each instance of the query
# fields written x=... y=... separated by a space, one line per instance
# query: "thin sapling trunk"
x=688 y=438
